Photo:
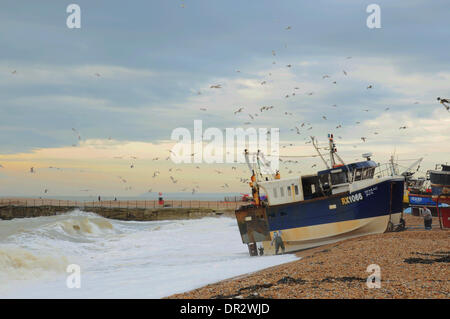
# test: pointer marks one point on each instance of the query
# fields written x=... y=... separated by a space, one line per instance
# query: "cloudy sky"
x=78 y=105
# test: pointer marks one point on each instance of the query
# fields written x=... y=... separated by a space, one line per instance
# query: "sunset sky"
x=136 y=71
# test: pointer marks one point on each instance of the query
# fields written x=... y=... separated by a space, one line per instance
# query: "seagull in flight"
x=444 y=102
x=238 y=111
x=173 y=180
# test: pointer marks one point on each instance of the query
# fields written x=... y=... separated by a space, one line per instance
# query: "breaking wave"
x=86 y=226
x=120 y=259
x=18 y=263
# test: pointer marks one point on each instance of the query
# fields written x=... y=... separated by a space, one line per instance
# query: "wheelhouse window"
x=289 y=191
x=369 y=173
x=338 y=178
x=358 y=174
x=364 y=173
x=296 y=189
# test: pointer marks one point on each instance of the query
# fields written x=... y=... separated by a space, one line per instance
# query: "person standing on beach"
x=99 y=198
x=278 y=242
x=427 y=218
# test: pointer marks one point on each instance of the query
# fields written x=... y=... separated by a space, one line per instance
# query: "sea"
x=39 y=257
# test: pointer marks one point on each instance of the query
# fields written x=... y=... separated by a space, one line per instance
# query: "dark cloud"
x=184 y=49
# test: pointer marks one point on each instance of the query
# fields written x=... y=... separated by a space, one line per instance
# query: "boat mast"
x=258 y=160
x=333 y=151
x=392 y=165
x=318 y=152
x=331 y=145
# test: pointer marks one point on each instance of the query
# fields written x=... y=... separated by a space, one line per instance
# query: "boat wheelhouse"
x=440 y=183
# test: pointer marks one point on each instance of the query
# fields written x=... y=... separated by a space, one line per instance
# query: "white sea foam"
x=120 y=259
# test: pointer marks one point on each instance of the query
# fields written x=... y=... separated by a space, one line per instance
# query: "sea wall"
x=141 y=214
x=10 y=212
x=137 y=214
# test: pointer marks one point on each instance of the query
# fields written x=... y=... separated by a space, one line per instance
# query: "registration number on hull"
x=352 y=199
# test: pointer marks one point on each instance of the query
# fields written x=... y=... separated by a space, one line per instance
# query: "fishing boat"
x=425 y=192
x=420 y=196
x=412 y=185
x=343 y=201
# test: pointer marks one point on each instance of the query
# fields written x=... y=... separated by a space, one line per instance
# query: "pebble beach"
x=413 y=264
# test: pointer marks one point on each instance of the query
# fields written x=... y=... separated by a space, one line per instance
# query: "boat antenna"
x=333 y=151
x=318 y=152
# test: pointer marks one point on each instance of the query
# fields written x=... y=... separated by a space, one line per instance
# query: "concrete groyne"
x=140 y=214
x=121 y=210
x=10 y=212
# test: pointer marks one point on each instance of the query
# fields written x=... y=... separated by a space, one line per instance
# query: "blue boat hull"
x=422 y=200
x=373 y=201
x=310 y=223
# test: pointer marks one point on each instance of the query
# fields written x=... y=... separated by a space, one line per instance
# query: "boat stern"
x=253 y=227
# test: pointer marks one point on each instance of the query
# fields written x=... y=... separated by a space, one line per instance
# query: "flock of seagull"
x=194 y=187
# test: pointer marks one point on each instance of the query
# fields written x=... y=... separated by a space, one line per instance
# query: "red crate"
x=445 y=216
